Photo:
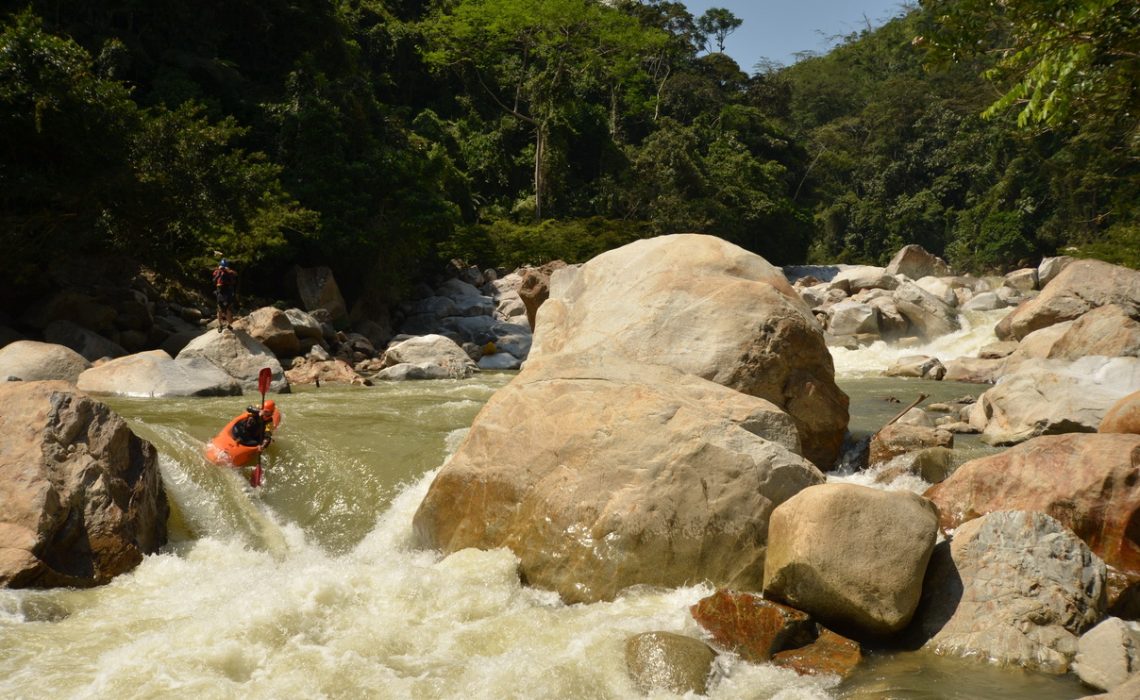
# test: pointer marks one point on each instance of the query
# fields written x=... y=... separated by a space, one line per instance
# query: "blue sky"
x=777 y=29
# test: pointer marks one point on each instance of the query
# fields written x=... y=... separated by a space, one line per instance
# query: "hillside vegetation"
x=381 y=137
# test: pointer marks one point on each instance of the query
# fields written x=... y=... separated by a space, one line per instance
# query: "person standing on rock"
x=225 y=290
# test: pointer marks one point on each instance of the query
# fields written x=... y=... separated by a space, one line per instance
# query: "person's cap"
x=224 y=263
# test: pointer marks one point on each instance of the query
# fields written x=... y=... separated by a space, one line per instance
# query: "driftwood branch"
x=900 y=414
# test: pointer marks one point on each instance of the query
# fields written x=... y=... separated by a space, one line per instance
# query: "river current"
x=310 y=587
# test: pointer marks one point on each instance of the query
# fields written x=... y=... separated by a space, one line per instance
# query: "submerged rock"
x=666 y=661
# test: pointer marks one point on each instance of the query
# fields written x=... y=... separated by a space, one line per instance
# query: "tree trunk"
x=539 y=156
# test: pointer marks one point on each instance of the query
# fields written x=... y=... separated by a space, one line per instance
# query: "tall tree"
x=717 y=23
x=536 y=59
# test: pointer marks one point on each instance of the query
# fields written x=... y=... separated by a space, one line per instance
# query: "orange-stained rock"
x=1123 y=417
x=1088 y=481
x=830 y=653
x=535 y=287
x=751 y=626
x=900 y=438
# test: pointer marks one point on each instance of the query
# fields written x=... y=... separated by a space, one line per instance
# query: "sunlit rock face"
x=677 y=392
x=707 y=308
x=82 y=499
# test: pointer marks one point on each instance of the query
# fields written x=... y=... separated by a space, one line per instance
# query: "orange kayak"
x=224 y=451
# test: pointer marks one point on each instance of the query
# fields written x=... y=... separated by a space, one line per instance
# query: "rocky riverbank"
x=675 y=421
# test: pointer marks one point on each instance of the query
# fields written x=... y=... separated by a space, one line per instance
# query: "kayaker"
x=256 y=429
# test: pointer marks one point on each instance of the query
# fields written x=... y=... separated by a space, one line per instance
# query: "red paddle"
x=263 y=379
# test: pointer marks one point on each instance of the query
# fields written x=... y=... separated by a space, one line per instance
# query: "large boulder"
x=851 y=556
x=601 y=474
x=318 y=289
x=155 y=374
x=1079 y=288
x=239 y=355
x=706 y=308
x=915 y=262
x=273 y=328
x=1014 y=587
x=82 y=497
x=29 y=360
x=428 y=350
x=929 y=316
x=1086 y=481
x=1046 y=397
x=1107 y=330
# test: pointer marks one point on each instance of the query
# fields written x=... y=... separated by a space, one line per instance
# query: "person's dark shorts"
x=225 y=296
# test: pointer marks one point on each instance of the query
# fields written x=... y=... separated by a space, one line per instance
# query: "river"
x=310 y=587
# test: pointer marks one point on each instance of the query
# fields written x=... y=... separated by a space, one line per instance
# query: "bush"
x=503 y=243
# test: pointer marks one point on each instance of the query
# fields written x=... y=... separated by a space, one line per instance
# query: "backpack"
x=224 y=277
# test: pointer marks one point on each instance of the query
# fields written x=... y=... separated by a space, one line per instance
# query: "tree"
x=717 y=23
x=536 y=60
x=1057 y=61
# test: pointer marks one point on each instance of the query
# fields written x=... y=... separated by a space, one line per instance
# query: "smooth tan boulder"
x=82 y=499
x=707 y=308
x=1080 y=287
x=273 y=328
x=1048 y=397
x=30 y=360
x=602 y=475
x=155 y=374
x=239 y=355
x=851 y=556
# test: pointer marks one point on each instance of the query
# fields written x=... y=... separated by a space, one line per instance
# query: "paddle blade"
x=263 y=379
x=256 y=476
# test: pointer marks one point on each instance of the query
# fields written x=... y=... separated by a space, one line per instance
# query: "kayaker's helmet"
x=269 y=407
x=251 y=409
x=224 y=263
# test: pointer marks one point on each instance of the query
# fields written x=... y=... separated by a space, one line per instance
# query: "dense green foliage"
x=380 y=137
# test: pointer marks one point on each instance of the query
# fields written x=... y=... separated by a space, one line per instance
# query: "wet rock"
x=601 y=476
x=665 y=661
x=900 y=438
x=751 y=626
x=830 y=654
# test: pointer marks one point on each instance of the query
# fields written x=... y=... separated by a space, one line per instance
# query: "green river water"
x=311 y=587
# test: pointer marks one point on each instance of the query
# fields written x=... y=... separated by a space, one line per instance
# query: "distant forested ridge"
x=381 y=137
